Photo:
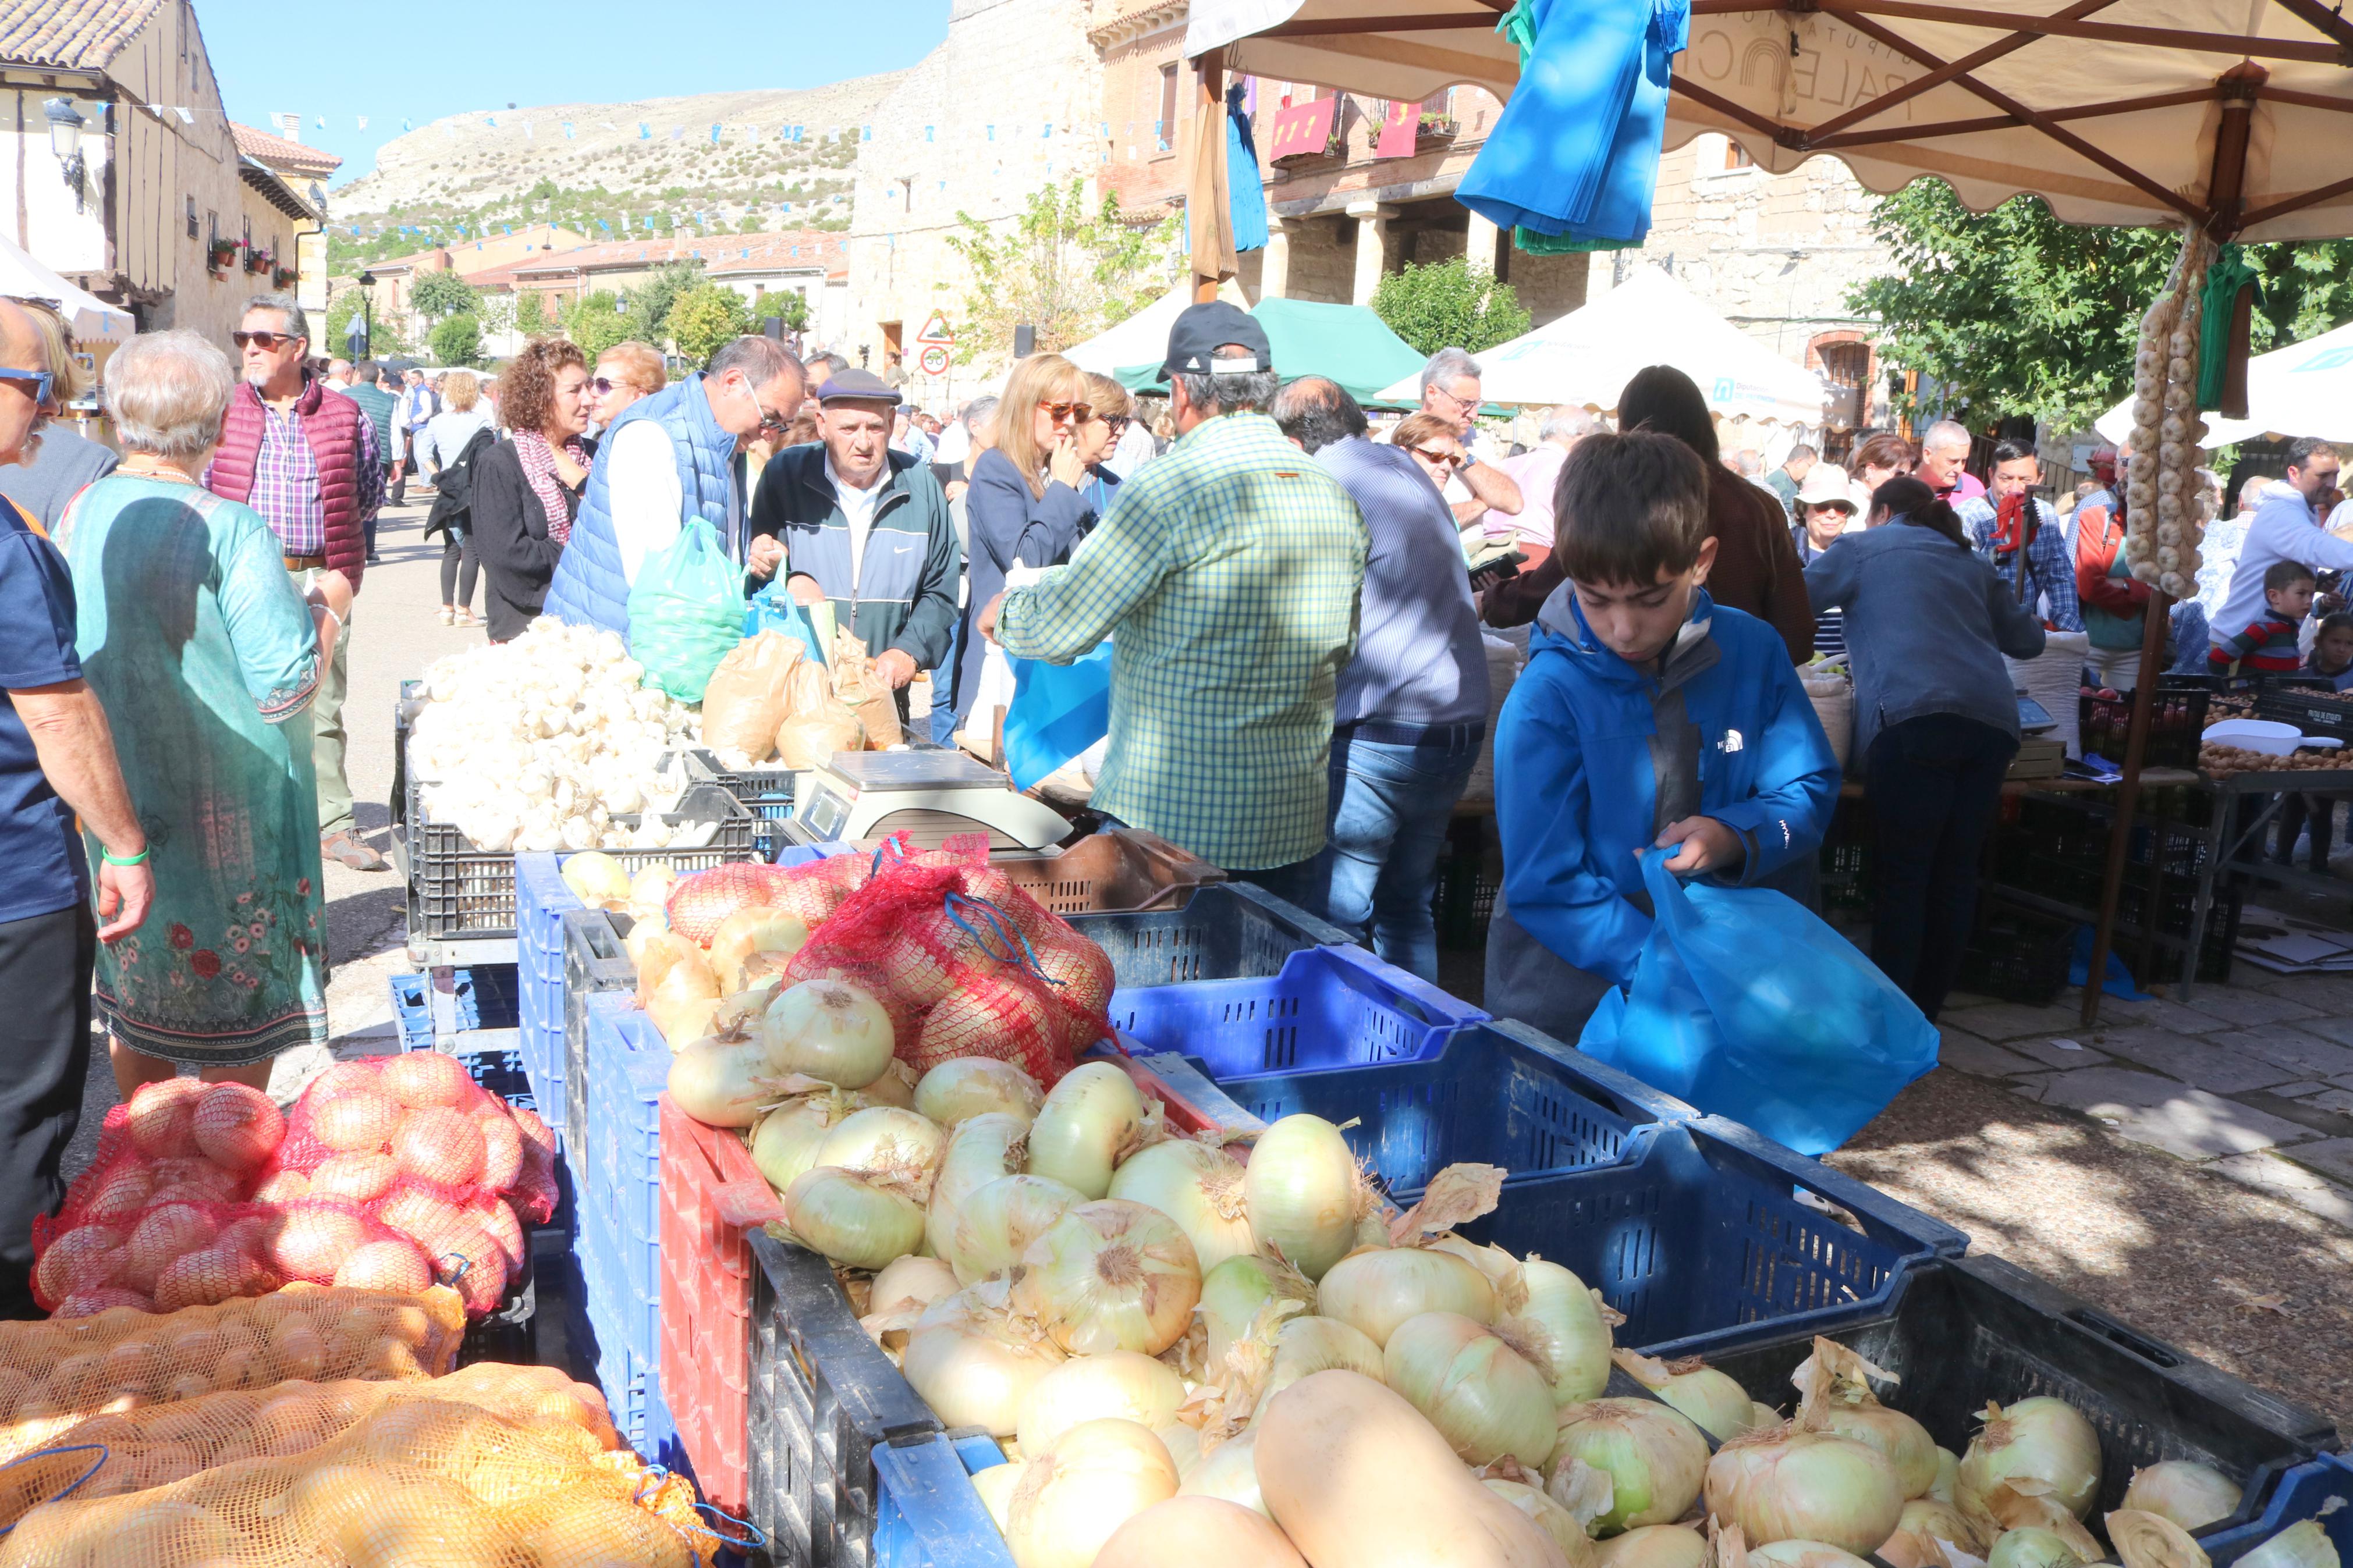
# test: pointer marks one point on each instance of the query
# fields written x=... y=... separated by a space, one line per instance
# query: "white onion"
x=850 y=1219
x=2146 y=1540
x=995 y=1224
x=887 y=1143
x=1794 y=1553
x=1199 y=1187
x=1229 y=1471
x=1945 y=1487
x=2040 y=1440
x=1375 y=1290
x=1655 y=1457
x=1834 y=1385
x=1087 y=1122
x=1564 y=1317
x=1554 y=1521
x=1789 y=1484
x=974 y=1363
x=1236 y=1291
x=1923 y=1531
x=1075 y=1495
x=719 y=1083
x=1720 y=1405
x=918 y=1281
x=683 y=1002
x=1303 y=1193
x=996 y=1486
x=1654 y=1546
x=1305 y=1346
x=1132 y=1387
x=1485 y=1399
x=2305 y=1544
x=1183 y=1442
x=2191 y=1495
x=977 y=1086
x=2032 y=1548
x=749 y=930
x=828 y=1029
x=1111 y=1275
x=784 y=1141
x=980 y=1150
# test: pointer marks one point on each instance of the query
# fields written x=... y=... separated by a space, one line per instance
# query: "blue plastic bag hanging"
x=1058 y=711
x=772 y=609
x=1744 y=1003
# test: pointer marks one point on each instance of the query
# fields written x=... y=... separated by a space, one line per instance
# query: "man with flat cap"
x=856 y=524
x=1226 y=575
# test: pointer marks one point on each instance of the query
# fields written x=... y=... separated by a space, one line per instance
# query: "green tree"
x=530 y=314
x=705 y=319
x=2016 y=313
x=441 y=295
x=457 y=342
x=1062 y=266
x=382 y=339
x=790 y=304
x=651 y=302
x=596 y=323
x=1448 y=306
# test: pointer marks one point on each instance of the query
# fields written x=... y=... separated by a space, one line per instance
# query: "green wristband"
x=114 y=859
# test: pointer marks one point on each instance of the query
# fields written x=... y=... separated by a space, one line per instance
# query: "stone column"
x=1274 y=266
x=1372 y=247
x=1479 y=244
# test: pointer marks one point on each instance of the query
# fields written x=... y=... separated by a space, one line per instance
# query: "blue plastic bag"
x=1744 y=1003
x=772 y=609
x=1058 y=711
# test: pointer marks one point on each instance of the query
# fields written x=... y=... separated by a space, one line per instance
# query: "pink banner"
x=1303 y=130
x=1400 y=132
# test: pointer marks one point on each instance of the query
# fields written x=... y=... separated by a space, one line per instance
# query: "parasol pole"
x=2236 y=88
x=1206 y=206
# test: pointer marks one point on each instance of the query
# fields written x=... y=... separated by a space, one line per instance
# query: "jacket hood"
x=1561 y=627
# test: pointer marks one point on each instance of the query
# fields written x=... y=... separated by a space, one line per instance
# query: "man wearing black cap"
x=1226 y=575
x=853 y=523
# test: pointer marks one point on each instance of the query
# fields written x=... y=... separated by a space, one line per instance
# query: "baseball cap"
x=856 y=387
x=1201 y=330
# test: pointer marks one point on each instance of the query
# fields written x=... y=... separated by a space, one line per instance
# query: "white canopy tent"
x=2304 y=389
x=1586 y=358
x=1143 y=337
x=93 y=320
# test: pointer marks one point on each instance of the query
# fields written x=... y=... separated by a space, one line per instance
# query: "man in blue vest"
x=668 y=459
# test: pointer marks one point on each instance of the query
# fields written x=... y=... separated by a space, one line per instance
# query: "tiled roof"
x=77 y=35
x=275 y=151
x=719 y=253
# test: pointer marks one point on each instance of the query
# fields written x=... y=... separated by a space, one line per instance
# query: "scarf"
x=539 y=468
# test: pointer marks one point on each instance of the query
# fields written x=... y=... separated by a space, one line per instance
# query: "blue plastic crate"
x=627 y=1378
x=2299 y=1494
x=493 y=1057
x=628 y=1069
x=927 y=1514
x=443 y=1003
x=1327 y=1007
x=1226 y=930
x=1496 y=1093
x=542 y=901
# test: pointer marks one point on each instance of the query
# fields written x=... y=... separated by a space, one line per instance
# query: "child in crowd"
x=2269 y=646
x=2332 y=652
x=1648 y=716
x=2332 y=660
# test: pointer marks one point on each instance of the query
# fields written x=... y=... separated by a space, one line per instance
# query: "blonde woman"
x=1028 y=505
x=1113 y=411
x=443 y=447
x=625 y=372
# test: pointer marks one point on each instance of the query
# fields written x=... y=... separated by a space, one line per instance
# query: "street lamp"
x=367 y=304
x=65 y=140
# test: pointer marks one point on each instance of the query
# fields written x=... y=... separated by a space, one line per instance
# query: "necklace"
x=154 y=469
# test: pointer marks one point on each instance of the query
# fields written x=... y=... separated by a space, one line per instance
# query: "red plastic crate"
x=710 y=1195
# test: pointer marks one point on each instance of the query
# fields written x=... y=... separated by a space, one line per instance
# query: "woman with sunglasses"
x=527 y=488
x=625 y=372
x=1433 y=444
x=1028 y=505
x=1100 y=437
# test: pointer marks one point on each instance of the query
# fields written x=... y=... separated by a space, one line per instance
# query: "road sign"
x=936 y=330
x=933 y=359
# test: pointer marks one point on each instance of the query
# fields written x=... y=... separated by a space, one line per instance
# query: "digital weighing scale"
x=931 y=795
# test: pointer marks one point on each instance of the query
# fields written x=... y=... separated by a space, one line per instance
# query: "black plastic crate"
x=2314 y=712
x=404 y=709
x=1463 y=900
x=764 y=791
x=2017 y=954
x=2080 y=885
x=462 y=892
x=594 y=961
x=1968 y=1330
x=2177 y=726
x=823 y=1398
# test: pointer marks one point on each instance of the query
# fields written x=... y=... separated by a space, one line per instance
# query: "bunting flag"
x=1045 y=131
x=526 y=131
x=678 y=132
x=492 y=121
x=645 y=131
x=866 y=134
x=407 y=125
x=322 y=122
x=992 y=133
x=927 y=131
x=567 y=131
x=363 y=121
x=714 y=136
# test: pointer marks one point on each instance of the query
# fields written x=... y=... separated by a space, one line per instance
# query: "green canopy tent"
x=1347 y=343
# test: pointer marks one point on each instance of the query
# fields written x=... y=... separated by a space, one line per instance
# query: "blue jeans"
x=944 y=689
x=1390 y=807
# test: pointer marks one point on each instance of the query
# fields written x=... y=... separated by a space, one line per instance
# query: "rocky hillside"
x=467 y=171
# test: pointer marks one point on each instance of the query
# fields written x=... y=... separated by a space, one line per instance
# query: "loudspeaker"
x=773 y=327
x=1025 y=341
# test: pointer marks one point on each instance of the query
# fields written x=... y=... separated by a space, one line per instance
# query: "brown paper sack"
x=819 y=723
x=745 y=701
x=867 y=694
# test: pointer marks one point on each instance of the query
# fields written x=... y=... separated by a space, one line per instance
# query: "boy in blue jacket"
x=1648 y=716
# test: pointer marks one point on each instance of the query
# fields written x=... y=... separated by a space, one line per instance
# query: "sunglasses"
x=1077 y=412
x=1117 y=422
x=1435 y=454
x=35 y=383
x=267 y=341
x=605 y=383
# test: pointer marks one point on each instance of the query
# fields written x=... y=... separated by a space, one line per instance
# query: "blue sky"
x=420 y=59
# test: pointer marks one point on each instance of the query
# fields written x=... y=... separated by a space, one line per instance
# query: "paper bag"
x=819 y=723
x=864 y=692
x=744 y=701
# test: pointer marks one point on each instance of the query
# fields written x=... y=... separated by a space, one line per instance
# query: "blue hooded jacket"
x=1583 y=744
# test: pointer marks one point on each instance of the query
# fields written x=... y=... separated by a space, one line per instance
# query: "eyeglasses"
x=1076 y=413
x=1435 y=454
x=1116 y=422
x=35 y=383
x=265 y=341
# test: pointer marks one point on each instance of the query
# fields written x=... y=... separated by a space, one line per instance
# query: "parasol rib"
x=1331 y=24
x=2325 y=19
x=1816 y=142
x=1788 y=135
x=2313 y=198
x=1944 y=74
x=2063 y=26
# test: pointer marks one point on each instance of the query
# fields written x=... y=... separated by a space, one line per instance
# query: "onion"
x=980 y=1150
x=1303 y=1193
x=1117 y=1383
x=828 y=1029
x=850 y=1219
x=2191 y=1495
x=895 y=1086
x=889 y=1145
x=974 y=1363
x=722 y=1083
x=1089 y=1120
x=754 y=929
x=683 y=1001
x=1945 y=1487
x=2043 y=1441
x=785 y=1142
x=1834 y=1389
x=1484 y=1397
x=2305 y=1544
x=1194 y=1532
x=917 y=1281
x=1111 y=1275
x=2032 y=1548
x=1653 y=1546
x=1305 y=1346
x=1565 y=1319
x=1229 y=1471
x=1199 y=1187
x=1235 y=1292
x=996 y=1485
x=1183 y=1442
x=997 y=1224
x=1720 y=1405
x=1074 y=1496
x=1795 y=1553
x=1551 y=1518
x=978 y=1086
x=1787 y=1483
x=1655 y=1457
x=1922 y=1533
x=1375 y=1291
x=738 y=1013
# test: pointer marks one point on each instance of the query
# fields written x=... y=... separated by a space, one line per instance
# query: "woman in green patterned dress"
x=206 y=653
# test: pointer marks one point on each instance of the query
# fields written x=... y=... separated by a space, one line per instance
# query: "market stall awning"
x=1586 y=358
x=1144 y=335
x=93 y=320
x=2304 y=389
x=2112 y=111
x=1347 y=343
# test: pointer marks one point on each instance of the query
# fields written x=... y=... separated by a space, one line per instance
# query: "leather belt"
x=306 y=562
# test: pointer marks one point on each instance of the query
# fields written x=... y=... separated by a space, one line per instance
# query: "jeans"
x=1390 y=805
x=2299 y=813
x=1933 y=784
x=45 y=963
x=459 y=552
x=328 y=740
x=944 y=689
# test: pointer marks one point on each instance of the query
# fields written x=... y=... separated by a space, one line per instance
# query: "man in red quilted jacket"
x=306 y=459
